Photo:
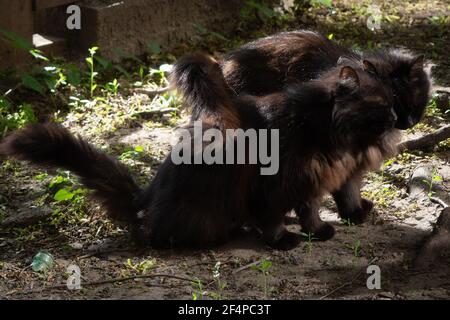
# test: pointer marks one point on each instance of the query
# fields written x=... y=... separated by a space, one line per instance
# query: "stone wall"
x=130 y=25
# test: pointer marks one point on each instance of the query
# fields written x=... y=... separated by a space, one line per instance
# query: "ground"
x=137 y=128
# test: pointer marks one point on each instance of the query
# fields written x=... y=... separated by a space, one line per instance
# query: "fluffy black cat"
x=203 y=204
x=269 y=64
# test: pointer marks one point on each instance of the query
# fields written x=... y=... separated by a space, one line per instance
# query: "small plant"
x=347 y=222
x=326 y=3
x=198 y=293
x=112 y=87
x=356 y=248
x=141 y=267
x=221 y=285
x=435 y=178
x=261 y=9
x=310 y=238
x=92 y=74
x=12 y=118
x=264 y=267
x=133 y=154
x=159 y=76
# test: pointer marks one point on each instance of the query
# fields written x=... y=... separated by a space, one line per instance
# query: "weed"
x=133 y=154
x=92 y=73
x=347 y=222
x=263 y=267
x=141 y=267
x=112 y=87
x=435 y=178
x=310 y=238
x=221 y=285
x=355 y=248
x=199 y=292
x=14 y=118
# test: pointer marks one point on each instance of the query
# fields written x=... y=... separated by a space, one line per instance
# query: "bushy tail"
x=53 y=145
x=200 y=80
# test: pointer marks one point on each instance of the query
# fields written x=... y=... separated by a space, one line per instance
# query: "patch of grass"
x=141 y=267
x=380 y=190
x=12 y=118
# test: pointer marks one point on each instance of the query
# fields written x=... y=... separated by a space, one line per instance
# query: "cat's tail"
x=199 y=78
x=54 y=146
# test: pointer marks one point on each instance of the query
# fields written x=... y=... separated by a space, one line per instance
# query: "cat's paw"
x=359 y=215
x=288 y=241
x=325 y=231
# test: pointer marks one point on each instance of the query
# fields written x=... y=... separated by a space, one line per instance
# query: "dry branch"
x=151 y=92
x=427 y=140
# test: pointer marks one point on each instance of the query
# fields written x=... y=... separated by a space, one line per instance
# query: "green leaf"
x=93 y=50
x=16 y=40
x=38 y=55
x=32 y=83
x=105 y=63
x=327 y=3
x=201 y=29
x=63 y=195
x=123 y=71
x=73 y=75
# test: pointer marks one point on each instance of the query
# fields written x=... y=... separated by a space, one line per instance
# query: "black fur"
x=53 y=145
x=268 y=64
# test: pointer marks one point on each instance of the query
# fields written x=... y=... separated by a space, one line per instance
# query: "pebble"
x=76 y=246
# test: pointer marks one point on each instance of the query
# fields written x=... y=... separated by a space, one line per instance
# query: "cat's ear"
x=369 y=67
x=417 y=62
x=348 y=78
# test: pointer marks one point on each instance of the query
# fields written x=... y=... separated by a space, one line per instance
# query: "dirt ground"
x=332 y=269
x=77 y=233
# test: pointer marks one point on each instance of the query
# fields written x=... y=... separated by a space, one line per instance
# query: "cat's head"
x=404 y=73
x=363 y=108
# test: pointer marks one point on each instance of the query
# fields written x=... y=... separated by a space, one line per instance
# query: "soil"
x=77 y=232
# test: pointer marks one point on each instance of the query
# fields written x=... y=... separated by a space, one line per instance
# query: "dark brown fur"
x=202 y=205
x=269 y=64
x=367 y=105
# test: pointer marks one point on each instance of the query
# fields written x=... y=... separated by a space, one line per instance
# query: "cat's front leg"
x=312 y=225
x=349 y=202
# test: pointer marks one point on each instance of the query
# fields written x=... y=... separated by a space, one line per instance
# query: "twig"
x=152 y=92
x=348 y=282
x=248 y=266
x=439 y=201
x=427 y=140
x=114 y=280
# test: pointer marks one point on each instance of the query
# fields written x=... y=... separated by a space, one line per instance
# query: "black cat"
x=202 y=205
x=269 y=64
